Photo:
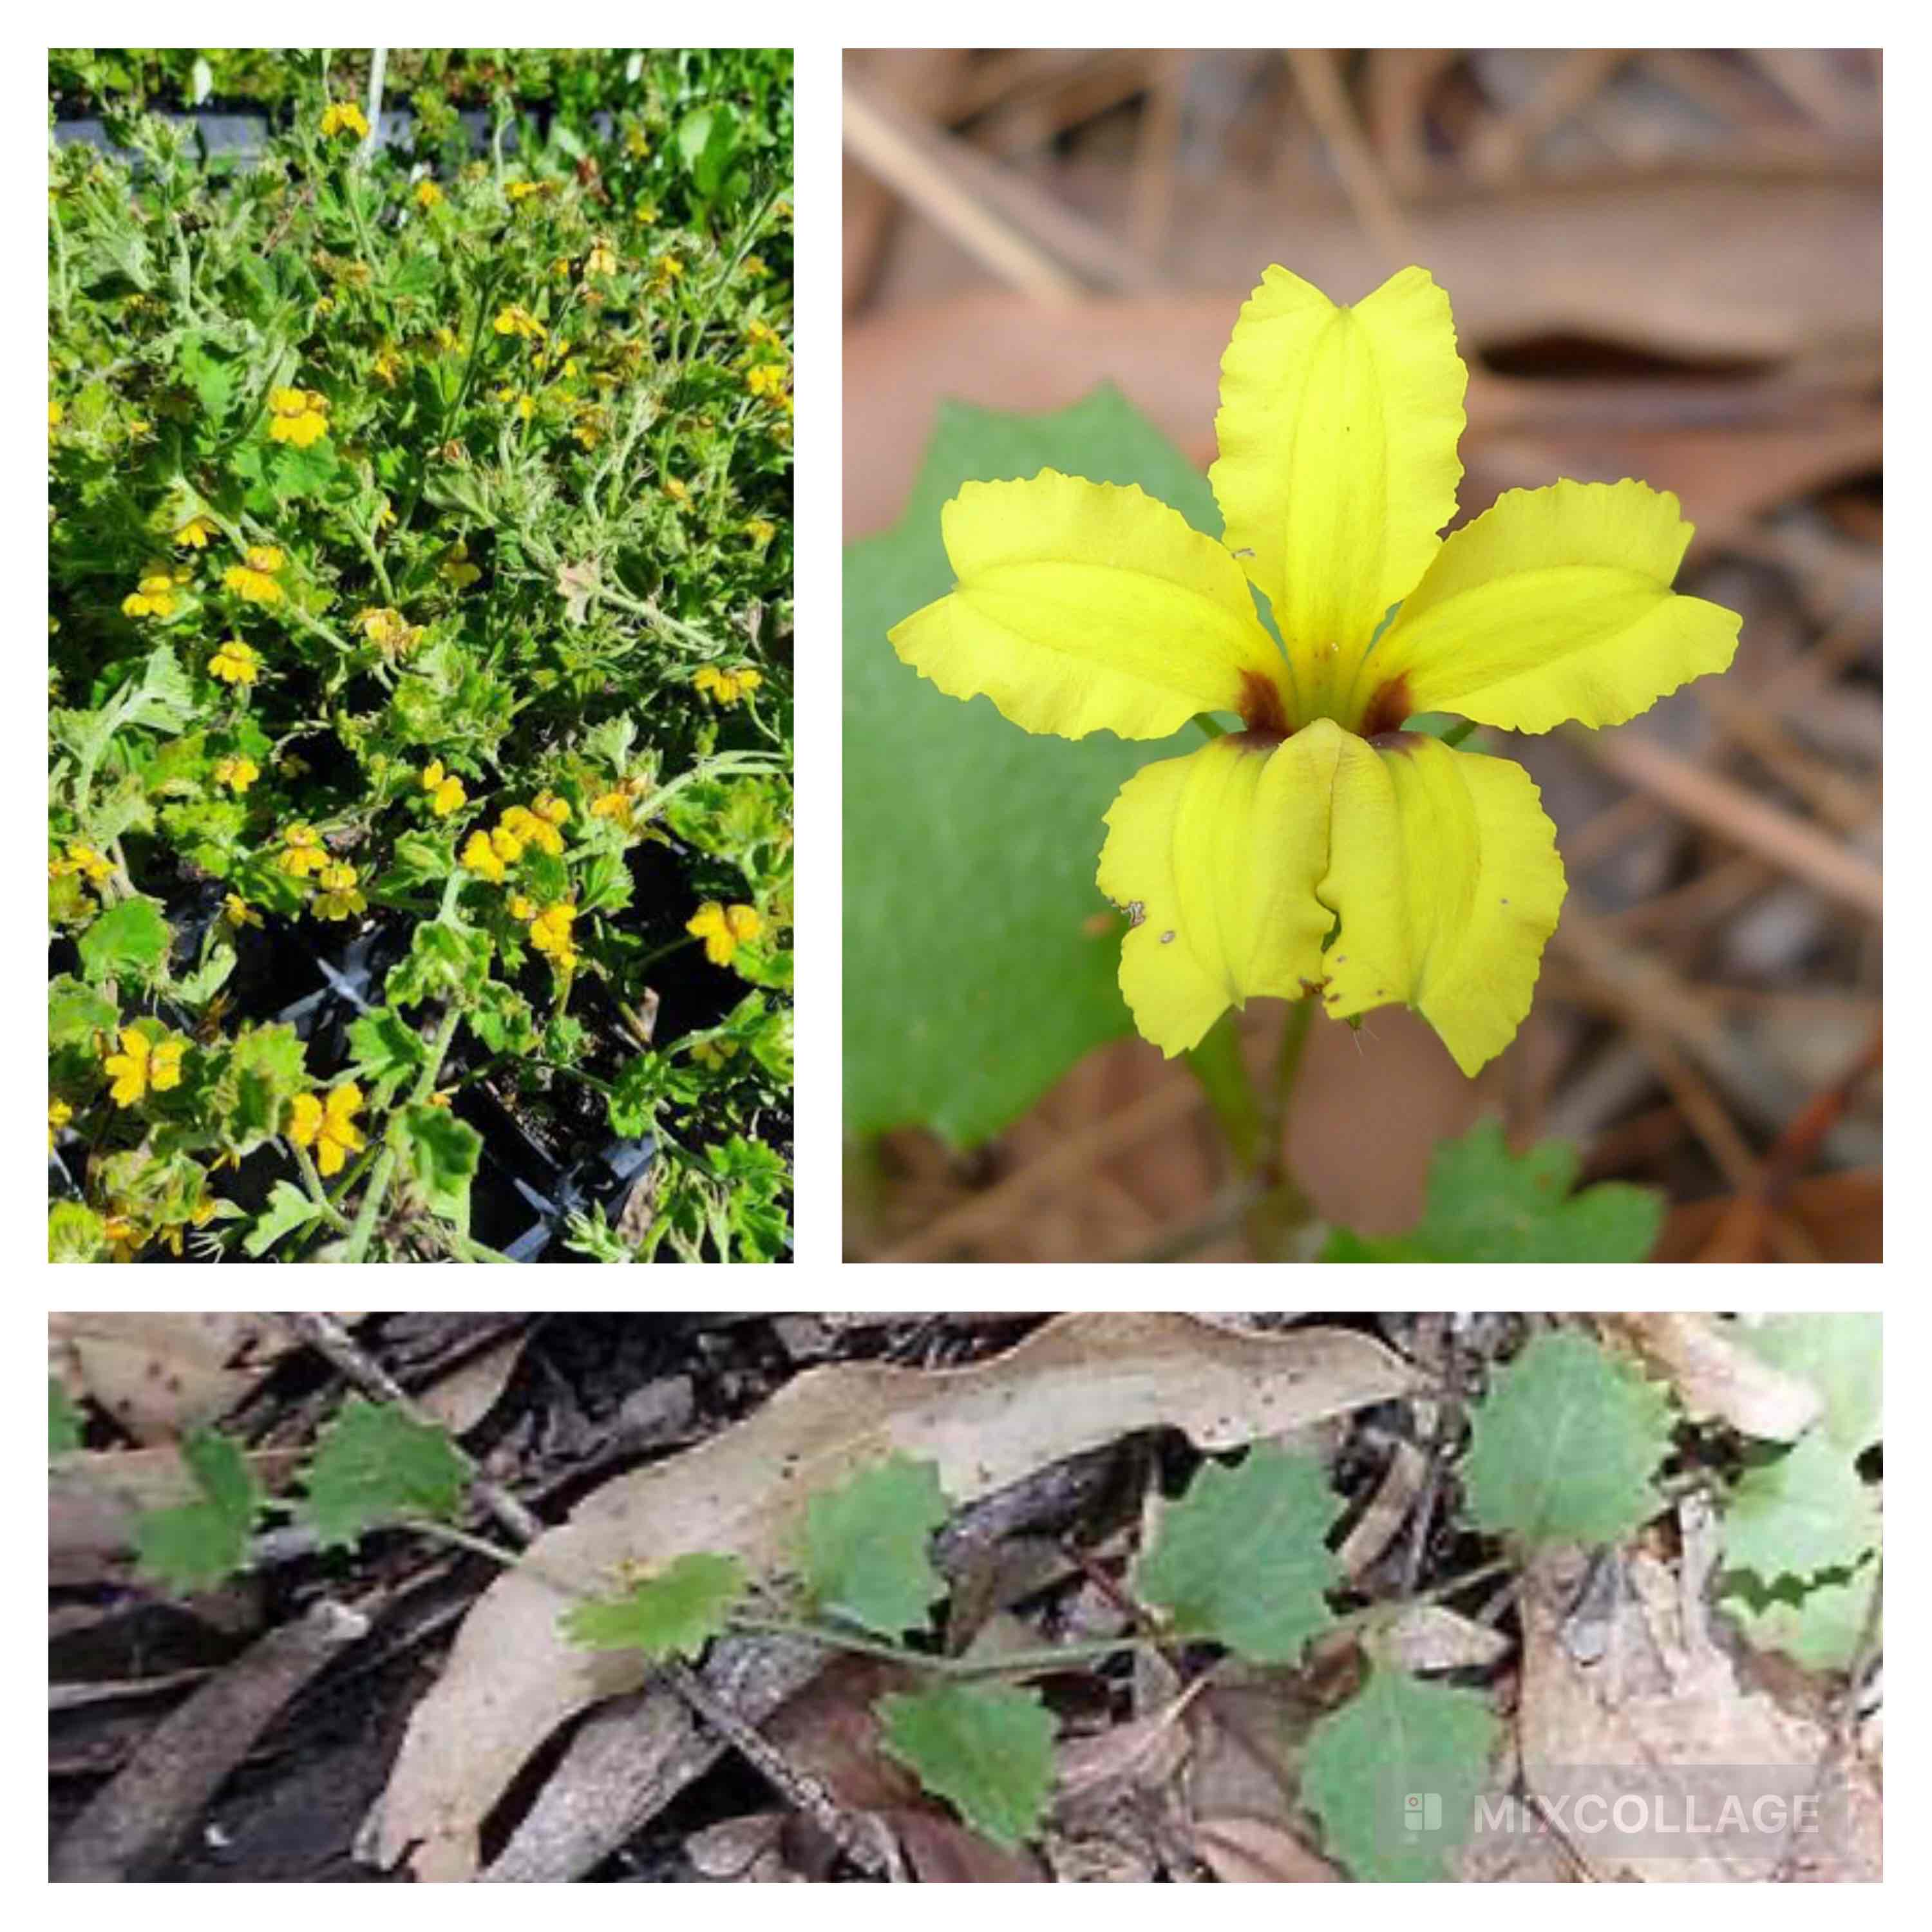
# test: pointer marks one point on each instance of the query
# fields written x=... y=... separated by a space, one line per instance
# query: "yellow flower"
x=522 y=908
x=726 y=687
x=83 y=858
x=340 y=116
x=235 y=662
x=637 y=143
x=253 y=578
x=602 y=259
x=753 y=269
x=670 y=268
x=427 y=194
x=299 y=416
x=304 y=853
x=479 y=856
x=723 y=929
x=238 y=773
x=339 y=897
x=58 y=1113
x=55 y=413
x=446 y=790
x=143 y=1066
x=194 y=534
x=760 y=335
x=1322 y=849
x=387 y=365
x=522 y=190
x=505 y=844
x=550 y=933
x=765 y=378
x=526 y=827
x=761 y=530
x=517 y=320
x=156 y=597
x=457 y=567
x=619 y=804
x=389 y=631
x=645 y=213
x=237 y=912
x=547 y=805
x=328 y=1126
x=677 y=490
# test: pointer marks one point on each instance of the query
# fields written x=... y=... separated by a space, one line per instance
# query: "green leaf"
x=441 y=1152
x=289 y=1208
x=1564 y=1446
x=1485 y=1203
x=980 y=958
x=673 y=1614
x=445 y=962
x=128 y=939
x=195 y=1546
x=1400 y=1739
x=867 y=1546
x=1241 y=1559
x=265 y=1070
x=987 y=1750
x=1842 y=1357
x=376 y=1465
x=63 y=1419
x=75 y=1232
x=1820 y=1624
x=386 y=1053
x=76 y=1013
x=1803 y=1511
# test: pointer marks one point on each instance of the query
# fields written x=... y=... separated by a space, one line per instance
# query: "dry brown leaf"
x=1716 y=1374
x=461 y=1399
x=1079 y=1383
x=157 y=1375
x=1241 y=1850
x=1429 y=1637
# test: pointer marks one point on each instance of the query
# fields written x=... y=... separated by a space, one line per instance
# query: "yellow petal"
x=1555 y=604
x=1445 y=871
x=1338 y=430
x=1214 y=859
x=1082 y=606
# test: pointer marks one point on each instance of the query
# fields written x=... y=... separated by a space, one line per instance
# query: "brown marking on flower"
x=1388 y=708
x=1261 y=709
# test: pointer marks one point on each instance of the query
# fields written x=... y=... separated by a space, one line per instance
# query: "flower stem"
x=365 y=1229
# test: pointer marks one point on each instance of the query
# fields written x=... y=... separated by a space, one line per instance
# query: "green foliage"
x=196 y=1545
x=980 y=957
x=1801 y=1511
x=1841 y=1356
x=375 y=1465
x=867 y=1547
x=289 y=1210
x=1566 y=1443
x=1240 y=1560
x=1398 y=1738
x=674 y=1614
x=1485 y=1203
x=509 y=440
x=987 y=1750
x=1819 y=1622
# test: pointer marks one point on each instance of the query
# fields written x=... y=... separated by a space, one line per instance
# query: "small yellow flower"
x=505 y=844
x=723 y=929
x=637 y=144
x=236 y=663
x=156 y=597
x=677 y=491
x=299 y=416
x=457 y=567
x=550 y=933
x=760 y=335
x=761 y=530
x=340 y=116
x=726 y=687
x=527 y=828
x=55 y=413
x=670 y=268
x=125 y=1238
x=238 y=773
x=547 y=804
x=479 y=856
x=339 y=898
x=58 y=1113
x=389 y=631
x=613 y=805
x=253 y=578
x=753 y=269
x=522 y=907
x=519 y=191
x=328 y=1126
x=387 y=366
x=143 y=1066
x=645 y=214
x=446 y=790
x=427 y=194
x=305 y=854
x=237 y=912
x=83 y=858
x=602 y=259
x=194 y=534
x=765 y=378
x=516 y=320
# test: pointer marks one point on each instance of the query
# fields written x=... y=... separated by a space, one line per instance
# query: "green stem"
x=1218 y=1064
x=1017 y=1663
x=363 y=1232
x=317 y=1192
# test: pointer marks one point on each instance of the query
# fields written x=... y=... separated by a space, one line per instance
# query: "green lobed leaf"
x=1565 y=1444
x=386 y=1052
x=376 y=1464
x=1819 y=1622
x=1397 y=1739
x=1485 y=1203
x=673 y=1614
x=981 y=961
x=987 y=1750
x=1241 y=1559
x=1803 y=1511
x=1842 y=1357
x=288 y=1209
x=265 y=1068
x=867 y=1546
x=442 y=1153
x=195 y=1546
x=127 y=940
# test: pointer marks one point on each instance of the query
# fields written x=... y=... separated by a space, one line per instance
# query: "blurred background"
x=1664 y=264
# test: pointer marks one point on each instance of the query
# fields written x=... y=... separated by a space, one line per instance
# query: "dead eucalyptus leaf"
x=158 y=1375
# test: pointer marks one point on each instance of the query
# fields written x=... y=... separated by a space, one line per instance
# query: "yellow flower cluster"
x=194 y=534
x=305 y=854
x=235 y=662
x=145 y=1065
x=83 y=860
x=727 y=687
x=253 y=578
x=427 y=194
x=522 y=191
x=159 y=594
x=343 y=117
x=619 y=804
x=58 y=1113
x=602 y=259
x=550 y=933
x=339 y=896
x=490 y=854
x=389 y=631
x=387 y=365
x=299 y=416
x=238 y=772
x=723 y=929
x=767 y=378
x=327 y=1126
x=516 y=320
x=237 y=912
x=761 y=530
x=444 y=788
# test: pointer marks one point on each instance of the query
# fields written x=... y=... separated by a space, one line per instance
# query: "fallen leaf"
x=461 y=1399
x=157 y=1375
x=1717 y=1372
x=1259 y=1851
x=1081 y=1382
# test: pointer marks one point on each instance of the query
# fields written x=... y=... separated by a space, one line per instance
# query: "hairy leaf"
x=674 y=1614
x=1803 y=1511
x=376 y=1464
x=867 y=1546
x=195 y=1546
x=988 y=1750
